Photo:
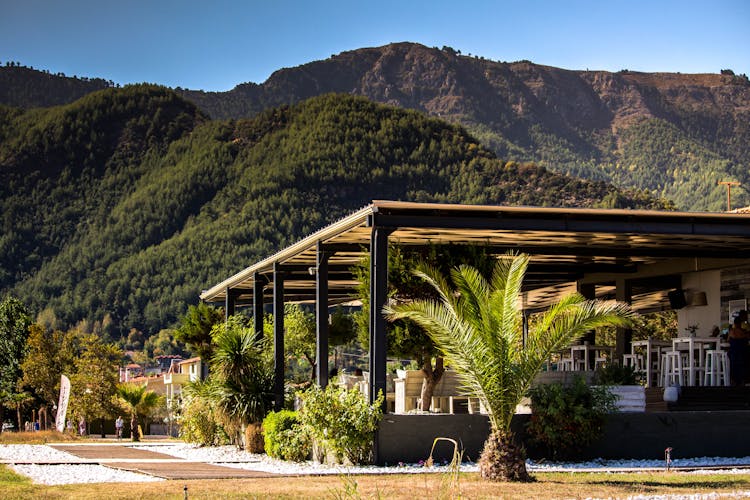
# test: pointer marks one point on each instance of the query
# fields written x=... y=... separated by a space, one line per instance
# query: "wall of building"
x=706 y=317
x=409 y=438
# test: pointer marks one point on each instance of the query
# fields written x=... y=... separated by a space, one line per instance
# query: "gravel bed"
x=230 y=456
x=73 y=474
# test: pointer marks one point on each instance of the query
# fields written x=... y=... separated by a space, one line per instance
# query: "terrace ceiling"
x=564 y=244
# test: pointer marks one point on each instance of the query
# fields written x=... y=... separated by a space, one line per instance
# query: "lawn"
x=548 y=485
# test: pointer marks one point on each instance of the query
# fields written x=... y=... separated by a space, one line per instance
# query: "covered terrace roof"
x=565 y=244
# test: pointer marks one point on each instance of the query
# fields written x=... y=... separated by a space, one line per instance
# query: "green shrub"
x=341 y=422
x=199 y=424
x=612 y=374
x=567 y=419
x=285 y=438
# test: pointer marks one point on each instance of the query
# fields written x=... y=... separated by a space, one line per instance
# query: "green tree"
x=163 y=343
x=408 y=338
x=50 y=354
x=94 y=383
x=195 y=329
x=300 y=335
x=14 y=330
x=139 y=402
x=242 y=376
x=478 y=327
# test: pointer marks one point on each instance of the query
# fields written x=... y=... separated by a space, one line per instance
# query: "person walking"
x=118 y=426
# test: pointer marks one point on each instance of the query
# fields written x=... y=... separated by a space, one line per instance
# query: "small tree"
x=14 y=330
x=478 y=326
x=242 y=378
x=195 y=328
x=407 y=338
x=94 y=382
x=139 y=402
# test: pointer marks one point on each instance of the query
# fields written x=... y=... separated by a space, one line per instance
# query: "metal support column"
x=229 y=302
x=589 y=292
x=623 y=293
x=378 y=297
x=278 y=336
x=258 y=283
x=321 y=317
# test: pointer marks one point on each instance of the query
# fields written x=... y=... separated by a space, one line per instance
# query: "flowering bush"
x=341 y=421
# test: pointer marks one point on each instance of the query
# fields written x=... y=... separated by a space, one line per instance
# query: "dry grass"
x=399 y=486
x=38 y=437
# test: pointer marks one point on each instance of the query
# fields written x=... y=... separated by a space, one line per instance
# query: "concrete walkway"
x=155 y=464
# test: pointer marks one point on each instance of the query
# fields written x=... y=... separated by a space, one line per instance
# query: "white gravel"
x=63 y=473
x=230 y=456
x=86 y=473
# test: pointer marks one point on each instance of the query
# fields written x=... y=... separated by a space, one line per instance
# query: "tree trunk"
x=18 y=415
x=101 y=426
x=431 y=378
x=254 y=438
x=503 y=459
x=134 y=435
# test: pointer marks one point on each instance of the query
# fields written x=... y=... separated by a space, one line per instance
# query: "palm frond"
x=478 y=329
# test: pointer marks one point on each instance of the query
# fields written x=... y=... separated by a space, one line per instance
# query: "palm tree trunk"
x=503 y=459
x=134 y=428
x=431 y=378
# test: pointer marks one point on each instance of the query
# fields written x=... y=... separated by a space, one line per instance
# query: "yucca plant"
x=242 y=378
x=477 y=325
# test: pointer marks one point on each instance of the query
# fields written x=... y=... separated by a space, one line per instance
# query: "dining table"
x=587 y=350
x=653 y=349
x=692 y=345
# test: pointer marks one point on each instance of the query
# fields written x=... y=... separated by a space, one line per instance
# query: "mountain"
x=25 y=87
x=675 y=135
x=119 y=207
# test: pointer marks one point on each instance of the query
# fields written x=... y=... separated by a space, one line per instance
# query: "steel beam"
x=278 y=337
x=321 y=316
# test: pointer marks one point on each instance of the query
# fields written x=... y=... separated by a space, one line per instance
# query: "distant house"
x=165 y=362
x=179 y=374
x=152 y=382
x=130 y=371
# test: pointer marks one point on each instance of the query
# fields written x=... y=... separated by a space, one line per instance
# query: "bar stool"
x=672 y=370
x=717 y=368
x=635 y=361
x=565 y=364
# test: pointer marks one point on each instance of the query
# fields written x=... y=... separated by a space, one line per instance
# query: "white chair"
x=672 y=369
x=717 y=368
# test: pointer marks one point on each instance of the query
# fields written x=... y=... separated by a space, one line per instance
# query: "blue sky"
x=216 y=44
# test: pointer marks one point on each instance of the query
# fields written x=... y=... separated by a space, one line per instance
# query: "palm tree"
x=242 y=378
x=478 y=328
x=140 y=402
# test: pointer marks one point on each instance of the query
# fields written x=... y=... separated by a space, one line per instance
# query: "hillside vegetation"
x=675 y=135
x=120 y=207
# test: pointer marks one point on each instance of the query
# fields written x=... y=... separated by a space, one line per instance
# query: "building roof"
x=564 y=244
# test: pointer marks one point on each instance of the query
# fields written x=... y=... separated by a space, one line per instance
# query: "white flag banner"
x=62 y=405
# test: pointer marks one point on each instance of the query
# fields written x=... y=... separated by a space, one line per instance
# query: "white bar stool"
x=717 y=368
x=672 y=369
x=635 y=361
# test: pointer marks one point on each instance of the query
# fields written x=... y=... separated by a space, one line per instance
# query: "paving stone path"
x=154 y=464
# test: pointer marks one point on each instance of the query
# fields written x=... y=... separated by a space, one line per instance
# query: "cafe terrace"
x=696 y=263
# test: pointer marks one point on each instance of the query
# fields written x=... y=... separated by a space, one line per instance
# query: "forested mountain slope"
x=122 y=206
x=676 y=135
